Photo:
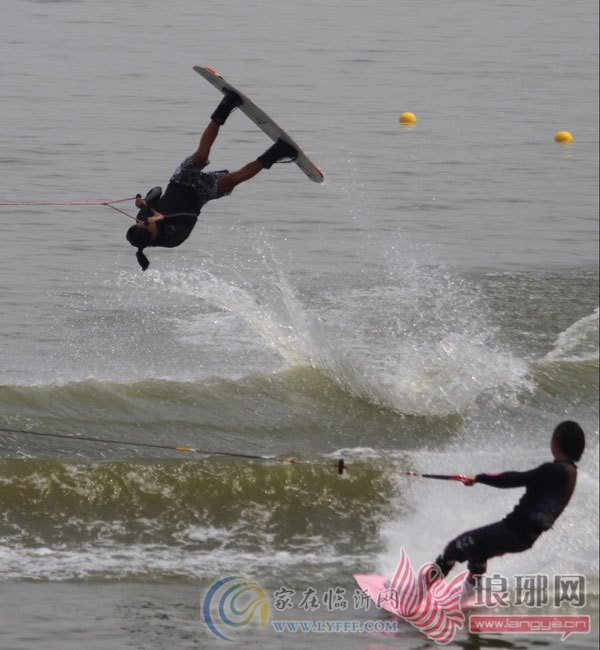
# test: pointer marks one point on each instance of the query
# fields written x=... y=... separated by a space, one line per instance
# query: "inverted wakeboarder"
x=167 y=219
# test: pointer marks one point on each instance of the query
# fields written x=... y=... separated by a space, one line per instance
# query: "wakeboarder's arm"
x=141 y=203
x=151 y=223
x=156 y=216
x=516 y=479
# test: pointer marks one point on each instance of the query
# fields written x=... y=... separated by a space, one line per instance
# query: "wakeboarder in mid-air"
x=168 y=219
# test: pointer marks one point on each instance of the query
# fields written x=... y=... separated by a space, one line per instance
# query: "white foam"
x=579 y=342
x=121 y=561
x=391 y=346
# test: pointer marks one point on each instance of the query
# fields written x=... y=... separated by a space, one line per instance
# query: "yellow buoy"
x=563 y=137
x=408 y=118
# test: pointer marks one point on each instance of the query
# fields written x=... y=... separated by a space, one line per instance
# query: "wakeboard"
x=377 y=588
x=263 y=121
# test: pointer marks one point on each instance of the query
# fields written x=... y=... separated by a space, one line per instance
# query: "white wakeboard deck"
x=264 y=122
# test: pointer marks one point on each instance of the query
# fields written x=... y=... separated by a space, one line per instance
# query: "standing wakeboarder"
x=548 y=489
x=168 y=219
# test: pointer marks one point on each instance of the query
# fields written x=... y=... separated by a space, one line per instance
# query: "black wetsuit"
x=548 y=489
x=184 y=204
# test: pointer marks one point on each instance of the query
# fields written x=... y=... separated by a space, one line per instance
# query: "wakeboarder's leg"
x=273 y=154
x=229 y=181
x=202 y=153
x=229 y=102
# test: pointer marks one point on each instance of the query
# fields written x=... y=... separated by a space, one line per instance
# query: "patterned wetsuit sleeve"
x=515 y=479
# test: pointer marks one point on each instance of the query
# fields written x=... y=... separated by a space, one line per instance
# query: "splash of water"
x=416 y=345
x=579 y=342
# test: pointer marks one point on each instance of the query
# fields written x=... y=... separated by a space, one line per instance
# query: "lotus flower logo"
x=234 y=602
x=426 y=600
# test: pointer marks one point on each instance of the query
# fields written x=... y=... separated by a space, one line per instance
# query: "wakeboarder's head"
x=568 y=440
